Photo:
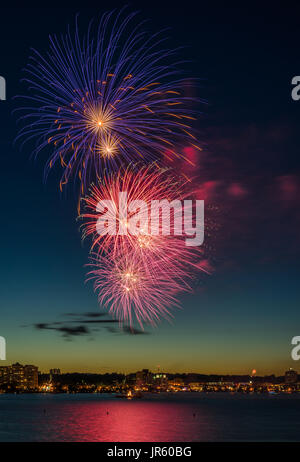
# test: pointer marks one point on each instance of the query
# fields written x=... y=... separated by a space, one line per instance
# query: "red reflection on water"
x=121 y=421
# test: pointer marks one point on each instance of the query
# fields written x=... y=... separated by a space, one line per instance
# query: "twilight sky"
x=245 y=314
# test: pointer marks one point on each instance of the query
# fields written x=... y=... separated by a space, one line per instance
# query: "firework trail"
x=100 y=103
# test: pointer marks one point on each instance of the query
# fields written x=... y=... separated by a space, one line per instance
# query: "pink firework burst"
x=139 y=272
x=124 y=285
x=140 y=184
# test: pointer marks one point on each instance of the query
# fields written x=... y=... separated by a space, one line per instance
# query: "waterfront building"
x=291 y=376
x=25 y=377
x=143 y=378
x=53 y=372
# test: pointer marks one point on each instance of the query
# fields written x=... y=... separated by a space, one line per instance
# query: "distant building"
x=195 y=385
x=4 y=374
x=291 y=376
x=143 y=377
x=54 y=372
x=160 y=379
x=176 y=382
x=31 y=376
x=19 y=375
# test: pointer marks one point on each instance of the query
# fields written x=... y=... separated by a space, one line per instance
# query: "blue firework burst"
x=111 y=97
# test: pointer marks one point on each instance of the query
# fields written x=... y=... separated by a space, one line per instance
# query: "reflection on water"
x=180 y=417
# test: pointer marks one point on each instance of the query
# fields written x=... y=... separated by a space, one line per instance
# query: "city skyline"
x=157 y=370
x=18 y=378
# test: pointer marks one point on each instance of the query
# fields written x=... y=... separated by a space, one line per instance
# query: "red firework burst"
x=124 y=285
x=116 y=206
x=139 y=272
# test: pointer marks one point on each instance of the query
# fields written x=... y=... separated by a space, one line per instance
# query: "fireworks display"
x=141 y=183
x=111 y=109
x=125 y=286
x=160 y=253
x=111 y=98
x=141 y=274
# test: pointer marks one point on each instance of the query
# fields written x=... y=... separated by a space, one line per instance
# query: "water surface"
x=182 y=417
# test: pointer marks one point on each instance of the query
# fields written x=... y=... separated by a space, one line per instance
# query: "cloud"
x=93 y=321
x=66 y=331
x=85 y=320
x=127 y=330
x=87 y=314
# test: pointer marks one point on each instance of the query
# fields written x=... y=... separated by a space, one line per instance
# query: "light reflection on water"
x=155 y=418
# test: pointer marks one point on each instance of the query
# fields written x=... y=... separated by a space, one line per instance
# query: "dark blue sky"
x=246 y=313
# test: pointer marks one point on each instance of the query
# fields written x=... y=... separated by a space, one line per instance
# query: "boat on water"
x=131 y=394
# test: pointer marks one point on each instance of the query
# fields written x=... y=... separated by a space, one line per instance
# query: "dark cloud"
x=69 y=331
x=66 y=331
x=87 y=314
x=94 y=321
x=127 y=330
